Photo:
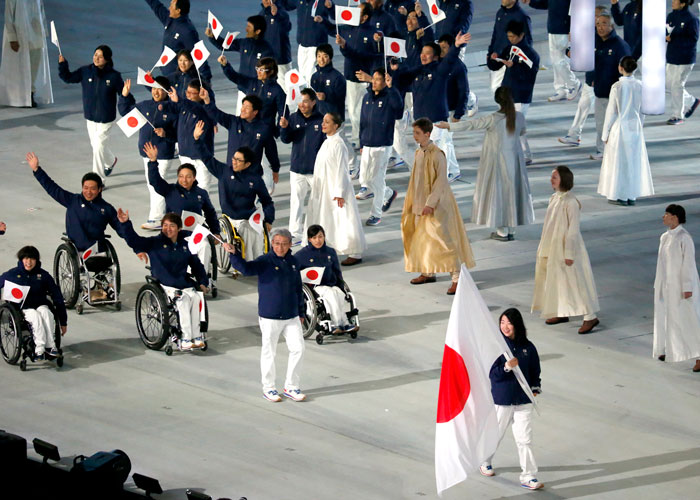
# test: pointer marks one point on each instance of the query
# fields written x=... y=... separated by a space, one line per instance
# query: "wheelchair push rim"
x=152 y=317
x=66 y=273
x=10 y=335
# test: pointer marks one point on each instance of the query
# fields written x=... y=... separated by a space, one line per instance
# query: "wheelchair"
x=79 y=280
x=158 y=320
x=318 y=319
x=17 y=339
x=230 y=235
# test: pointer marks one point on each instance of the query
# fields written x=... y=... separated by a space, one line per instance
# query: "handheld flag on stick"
x=394 y=47
x=13 y=292
x=54 y=38
x=436 y=14
x=216 y=26
x=165 y=58
x=198 y=238
x=312 y=275
x=347 y=15
x=256 y=220
x=199 y=56
x=228 y=40
x=190 y=220
x=147 y=79
x=313 y=8
x=132 y=122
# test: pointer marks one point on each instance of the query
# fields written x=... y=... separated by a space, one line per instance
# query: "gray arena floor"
x=615 y=423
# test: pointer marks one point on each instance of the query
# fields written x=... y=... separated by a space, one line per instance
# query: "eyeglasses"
x=260 y=69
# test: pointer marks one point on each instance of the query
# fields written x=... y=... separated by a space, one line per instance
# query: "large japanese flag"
x=436 y=14
x=347 y=15
x=216 y=26
x=466 y=432
x=229 y=38
x=293 y=98
x=147 y=79
x=312 y=275
x=132 y=122
x=198 y=238
x=199 y=53
x=165 y=58
x=256 y=220
x=13 y=292
x=292 y=78
x=190 y=220
x=394 y=47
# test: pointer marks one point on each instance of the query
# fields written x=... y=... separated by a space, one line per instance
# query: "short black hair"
x=326 y=49
x=424 y=124
x=434 y=46
x=381 y=71
x=566 y=177
x=259 y=24
x=308 y=91
x=254 y=101
x=28 y=252
x=184 y=6
x=195 y=85
x=515 y=27
x=106 y=53
x=314 y=230
x=187 y=166
x=678 y=211
x=184 y=52
x=172 y=217
x=450 y=39
x=92 y=176
x=269 y=64
x=516 y=319
x=248 y=154
x=365 y=9
x=629 y=64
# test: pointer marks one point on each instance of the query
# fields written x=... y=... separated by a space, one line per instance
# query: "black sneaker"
x=387 y=204
x=688 y=113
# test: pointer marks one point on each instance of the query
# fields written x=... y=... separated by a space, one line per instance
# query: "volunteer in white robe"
x=24 y=72
x=332 y=202
x=502 y=196
x=625 y=174
x=676 y=293
x=564 y=284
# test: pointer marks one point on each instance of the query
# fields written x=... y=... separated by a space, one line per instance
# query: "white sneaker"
x=272 y=395
x=473 y=108
x=295 y=394
x=596 y=156
x=394 y=162
x=570 y=141
x=486 y=470
x=532 y=484
x=198 y=342
x=151 y=225
x=572 y=94
x=559 y=96
x=186 y=345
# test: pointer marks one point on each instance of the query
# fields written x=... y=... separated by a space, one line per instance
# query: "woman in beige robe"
x=434 y=238
x=564 y=284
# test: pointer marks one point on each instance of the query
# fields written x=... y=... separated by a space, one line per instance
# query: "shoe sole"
x=297 y=400
x=272 y=400
x=569 y=143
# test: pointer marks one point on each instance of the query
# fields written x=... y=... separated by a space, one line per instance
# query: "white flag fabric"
x=202 y=307
x=90 y=252
x=199 y=53
x=147 y=79
x=198 y=238
x=313 y=8
x=466 y=433
x=347 y=15
x=229 y=38
x=517 y=51
x=54 y=37
x=292 y=78
x=190 y=220
x=132 y=122
x=436 y=14
x=293 y=98
x=165 y=58
x=394 y=47
x=256 y=220
x=216 y=26
x=12 y=292
x=312 y=275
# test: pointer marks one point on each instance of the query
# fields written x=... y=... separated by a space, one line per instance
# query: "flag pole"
x=199 y=76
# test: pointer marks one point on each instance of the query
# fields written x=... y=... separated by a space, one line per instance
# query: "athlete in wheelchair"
x=33 y=317
x=239 y=187
x=183 y=197
x=85 y=265
x=330 y=306
x=169 y=307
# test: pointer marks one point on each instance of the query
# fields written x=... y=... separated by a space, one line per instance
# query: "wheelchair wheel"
x=311 y=313
x=224 y=263
x=204 y=325
x=66 y=271
x=152 y=316
x=116 y=269
x=10 y=334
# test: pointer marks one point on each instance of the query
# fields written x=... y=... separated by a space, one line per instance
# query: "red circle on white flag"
x=200 y=306
x=229 y=40
x=294 y=78
x=346 y=15
x=312 y=275
x=454 y=386
x=17 y=293
x=164 y=59
x=256 y=218
x=434 y=9
x=189 y=220
x=132 y=122
x=294 y=94
x=197 y=238
x=214 y=24
x=87 y=254
x=395 y=47
x=198 y=54
x=148 y=78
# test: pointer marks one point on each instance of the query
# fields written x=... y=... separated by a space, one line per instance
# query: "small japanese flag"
x=669 y=30
x=436 y=14
x=216 y=26
x=312 y=275
x=523 y=58
x=198 y=238
x=293 y=98
x=347 y=15
x=165 y=58
x=147 y=79
x=256 y=220
x=229 y=38
x=202 y=307
x=199 y=53
x=54 y=37
x=313 y=8
x=132 y=122
x=190 y=220
x=13 y=292
x=394 y=47
x=90 y=252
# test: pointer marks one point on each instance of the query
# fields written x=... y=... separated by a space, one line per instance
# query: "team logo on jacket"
x=245 y=51
x=165 y=117
x=378 y=25
x=430 y=76
x=364 y=39
x=259 y=55
x=199 y=196
x=311 y=260
x=82 y=205
x=257 y=136
x=38 y=276
x=102 y=210
x=272 y=21
x=609 y=52
x=269 y=94
x=177 y=35
x=380 y=104
x=328 y=83
x=316 y=127
x=89 y=79
x=250 y=184
x=108 y=82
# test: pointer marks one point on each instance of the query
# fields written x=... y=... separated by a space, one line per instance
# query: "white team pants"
x=373 y=164
x=443 y=139
x=188 y=309
x=271 y=330
x=601 y=106
x=306 y=59
x=586 y=102
x=497 y=79
x=522 y=107
x=300 y=185
x=254 y=241
x=102 y=156
x=239 y=101
x=204 y=256
x=203 y=174
x=681 y=99
x=564 y=78
x=353 y=100
x=282 y=70
x=334 y=299
x=401 y=127
x=521 y=418
x=42 y=322
x=157 y=209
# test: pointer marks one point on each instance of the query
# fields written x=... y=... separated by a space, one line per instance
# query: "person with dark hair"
x=513 y=406
x=162 y=114
x=240 y=187
x=328 y=82
x=277 y=28
x=332 y=201
x=249 y=130
x=400 y=10
x=252 y=48
x=304 y=130
x=682 y=31
x=510 y=11
x=502 y=196
x=35 y=306
x=87 y=213
x=101 y=85
x=318 y=254
x=630 y=18
x=184 y=73
x=179 y=32
x=625 y=173
x=564 y=284
x=312 y=32
x=434 y=238
x=170 y=258
x=676 y=293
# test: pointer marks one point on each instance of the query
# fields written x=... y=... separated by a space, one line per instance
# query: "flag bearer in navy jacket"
x=101 y=85
x=312 y=31
x=566 y=85
x=680 y=58
x=277 y=31
x=87 y=213
x=630 y=18
x=513 y=406
x=170 y=258
x=510 y=11
x=35 y=306
x=163 y=116
x=179 y=32
x=281 y=310
x=303 y=131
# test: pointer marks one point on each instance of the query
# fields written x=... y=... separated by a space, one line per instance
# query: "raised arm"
x=159 y=184
x=54 y=190
x=216 y=167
